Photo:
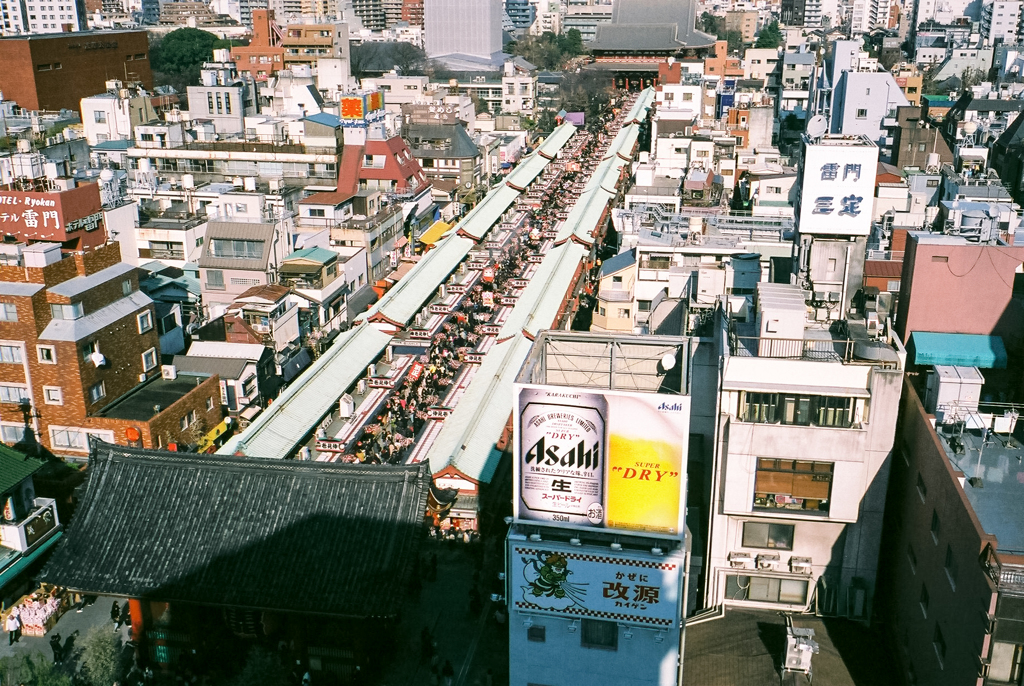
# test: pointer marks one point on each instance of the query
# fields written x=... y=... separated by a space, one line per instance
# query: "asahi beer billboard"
x=604 y=459
x=560 y=579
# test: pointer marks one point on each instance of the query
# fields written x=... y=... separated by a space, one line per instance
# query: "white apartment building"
x=112 y=116
x=519 y=87
x=35 y=16
x=999 y=21
x=224 y=97
x=806 y=423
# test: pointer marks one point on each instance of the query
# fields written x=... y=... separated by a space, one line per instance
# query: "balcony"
x=32 y=528
x=841 y=350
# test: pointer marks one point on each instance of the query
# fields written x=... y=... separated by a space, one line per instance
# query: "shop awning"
x=434 y=233
x=957 y=349
x=8 y=574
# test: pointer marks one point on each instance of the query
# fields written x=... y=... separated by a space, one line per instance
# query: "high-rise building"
x=412 y=12
x=32 y=17
x=597 y=555
x=469 y=28
x=371 y=13
x=999 y=21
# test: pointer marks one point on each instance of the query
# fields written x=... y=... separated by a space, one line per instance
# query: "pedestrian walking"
x=13 y=627
x=448 y=673
x=115 y=615
x=57 y=646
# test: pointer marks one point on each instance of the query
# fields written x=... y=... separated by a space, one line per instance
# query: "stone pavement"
x=474 y=643
x=72 y=626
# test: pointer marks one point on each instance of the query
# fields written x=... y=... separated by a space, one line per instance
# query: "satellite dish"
x=970 y=127
x=668 y=361
x=671 y=61
x=817 y=126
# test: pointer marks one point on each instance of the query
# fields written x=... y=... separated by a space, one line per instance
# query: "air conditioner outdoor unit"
x=800 y=565
x=168 y=371
x=741 y=560
x=767 y=561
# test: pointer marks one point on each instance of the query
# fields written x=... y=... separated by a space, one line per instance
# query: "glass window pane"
x=755 y=535
x=792 y=591
x=780 y=536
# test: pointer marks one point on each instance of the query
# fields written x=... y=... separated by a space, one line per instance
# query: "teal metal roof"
x=478 y=222
x=467 y=439
x=957 y=349
x=321 y=255
x=557 y=139
x=19 y=565
x=411 y=293
x=279 y=429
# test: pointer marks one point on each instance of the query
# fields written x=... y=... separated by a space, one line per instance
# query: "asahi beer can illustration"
x=563 y=445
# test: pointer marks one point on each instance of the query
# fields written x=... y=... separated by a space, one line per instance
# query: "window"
x=215 y=279
x=316 y=213
x=13 y=394
x=932 y=183
x=597 y=633
x=792 y=485
x=912 y=558
x=537 y=634
x=126 y=287
x=8 y=312
x=53 y=395
x=935 y=527
x=939 y=642
x=601 y=311
x=227 y=103
x=12 y=433
x=145 y=321
x=624 y=313
x=921 y=147
x=148 y=359
x=68 y=438
x=940 y=258
x=643 y=305
x=209 y=404
x=950 y=566
x=616 y=279
x=687 y=97
x=47 y=354
x=893 y=286
x=10 y=354
x=923 y=600
x=922 y=490
x=99 y=117
x=862 y=114
x=804 y=410
x=220 y=105
x=97 y=392
x=766 y=589
x=249 y=385
x=236 y=249
x=72 y=311
x=765 y=535
x=209 y=103
x=166 y=323
x=89 y=349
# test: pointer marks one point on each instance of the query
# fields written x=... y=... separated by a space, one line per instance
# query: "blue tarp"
x=958 y=349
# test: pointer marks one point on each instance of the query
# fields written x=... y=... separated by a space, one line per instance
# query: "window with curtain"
x=792 y=485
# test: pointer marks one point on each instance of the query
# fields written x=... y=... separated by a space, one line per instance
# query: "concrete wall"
x=960 y=613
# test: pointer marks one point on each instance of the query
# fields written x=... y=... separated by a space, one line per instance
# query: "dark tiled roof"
x=15 y=467
x=457 y=141
x=639 y=25
x=891 y=269
x=306 y=537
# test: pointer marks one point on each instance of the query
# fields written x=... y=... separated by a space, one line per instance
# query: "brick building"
x=79 y=356
x=55 y=71
x=412 y=12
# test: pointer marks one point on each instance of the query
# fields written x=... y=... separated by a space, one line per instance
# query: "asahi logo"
x=673 y=407
x=576 y=457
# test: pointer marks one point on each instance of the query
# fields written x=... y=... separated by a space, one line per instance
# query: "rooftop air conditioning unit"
x=168 y=371
x=768 y=561
x=800 y=565
x=741 y=560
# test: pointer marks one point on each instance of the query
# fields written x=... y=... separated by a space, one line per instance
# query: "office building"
x=53 y=72
x=464 y=30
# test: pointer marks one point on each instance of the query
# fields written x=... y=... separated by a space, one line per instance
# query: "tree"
x=970 y=77
x=770 y=36
x=571 y=43
x=181 y=50
x=709 y=23
x=100 y=658
x=42 y=672
x=735 y=39
x=262 y=668
x=407 y=58
x=364 y=59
